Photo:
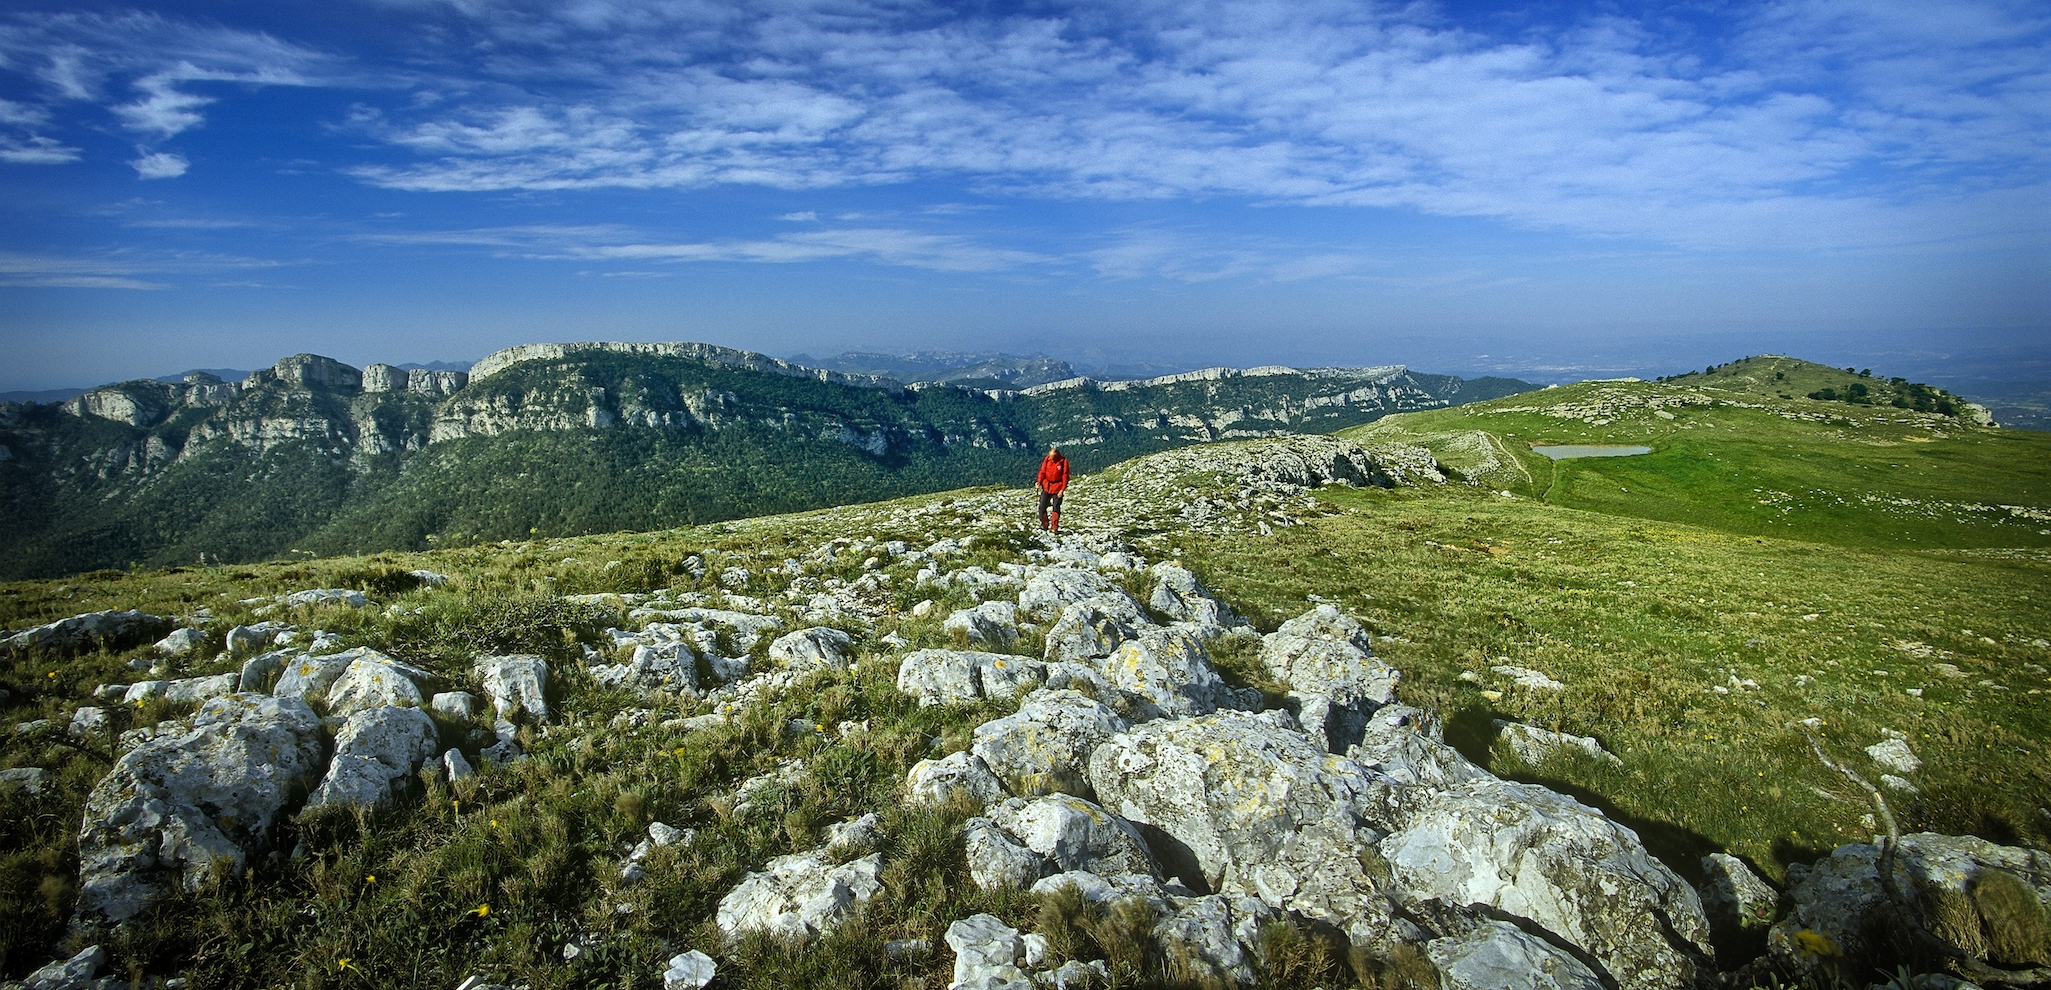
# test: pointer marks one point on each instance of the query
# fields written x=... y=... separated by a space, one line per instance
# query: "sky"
x=1557 y=190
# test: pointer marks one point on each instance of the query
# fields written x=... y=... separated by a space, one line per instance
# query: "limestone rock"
x=374 y=680
x=1498 y=955
x=992 y=623
x=460 y=705
x=997 y=858
x=1733 y=897
x=1074 y=834
x=1530 y=852
x=938 y=677
x=988 y=955
x=668 y=667
x=800 y=896
x=87 y=723
x=259 y=672
x=1525 y=677
x=1170 y=674
x=192 y=690
x=689 y=971
x=1044 y=747
x=1055 y=588
x=1256 y=806
x=193 y=804
x=456 y=766
x=1103 y=891
x=1533 y=744
x=935 y=781
x=181 y=642
x=1408 y=747
x=515 y=684
x=75 y=973
x=114 y=630
x=27 y=780
x=1893 y=753
x=243 y=641
x=1324 y=656
x=309 y=678
x=1214 y=939
x=1182 y=598
x=376 y=750
x=1840 y=898
x=327 y=596
x=1093 y=627
x=819 y=645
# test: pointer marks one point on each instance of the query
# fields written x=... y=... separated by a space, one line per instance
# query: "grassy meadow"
x=1773 y=560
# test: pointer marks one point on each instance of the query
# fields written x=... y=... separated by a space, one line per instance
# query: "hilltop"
x=1467 y=651
x=312 y=456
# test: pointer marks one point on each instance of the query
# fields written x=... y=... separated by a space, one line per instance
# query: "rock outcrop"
x=186 y=806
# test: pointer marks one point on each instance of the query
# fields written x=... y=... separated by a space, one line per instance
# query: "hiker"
x=1053 y=481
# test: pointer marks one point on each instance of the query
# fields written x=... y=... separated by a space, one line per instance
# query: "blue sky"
x=1549 y=189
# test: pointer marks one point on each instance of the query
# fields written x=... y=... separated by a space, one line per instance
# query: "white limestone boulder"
x=1045 y=746
x=375 y=752
x=1093 y=628
x=1839 y=898
x=1325 y=658
x=1074 y=834
x=309 y=678
x=1256 y=806
x=937 y=677
x=113 y=630
x=801 y=896
x=1182 y=598
x=819 y=646
x=193 y=804
x=992 y=624
x=1733 y=897
x=516 y=684
x=988 y=955
x=1529 y=852
x=1170 y=674
x=181 y=642
x=1497 y=955
x=1215 y=939
x=667 y=667
x=996 y=858
x=1055 y=588
x=373 y=680
x=937 y=781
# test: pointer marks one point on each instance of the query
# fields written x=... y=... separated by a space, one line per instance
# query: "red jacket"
x=1054 y=474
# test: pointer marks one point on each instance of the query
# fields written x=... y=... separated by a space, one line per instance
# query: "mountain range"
x=312 y=456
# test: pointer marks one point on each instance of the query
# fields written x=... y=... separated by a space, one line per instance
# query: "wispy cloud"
x=1606 y=125
x=115 y=269
x=143 y=69
x=886 y=246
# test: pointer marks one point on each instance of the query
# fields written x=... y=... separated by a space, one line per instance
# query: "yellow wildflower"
x=342 y=965
x=482 y=910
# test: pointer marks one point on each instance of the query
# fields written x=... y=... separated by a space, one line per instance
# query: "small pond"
x=1563 y=451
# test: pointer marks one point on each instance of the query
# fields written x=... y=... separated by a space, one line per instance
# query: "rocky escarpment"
x=313 y=451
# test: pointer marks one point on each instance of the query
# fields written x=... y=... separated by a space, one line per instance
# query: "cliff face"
x=136 y=471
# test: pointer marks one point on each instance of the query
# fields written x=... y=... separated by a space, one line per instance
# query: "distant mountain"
x=314 y=456
x=47 y=395
x=995 y=370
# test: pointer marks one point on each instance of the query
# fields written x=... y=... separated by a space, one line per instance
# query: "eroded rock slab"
x=183 y=807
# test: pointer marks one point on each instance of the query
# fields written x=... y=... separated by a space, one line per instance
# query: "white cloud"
x=160 y=165
x=1607 y=125
x=116 y=270
x=886 y=246
x=802 y=216
x=35 y=150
